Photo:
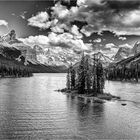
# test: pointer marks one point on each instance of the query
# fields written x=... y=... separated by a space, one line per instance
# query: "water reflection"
x=30 y=108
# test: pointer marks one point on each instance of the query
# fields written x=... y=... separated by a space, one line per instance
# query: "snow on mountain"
x=103 y=58
x=10 y=41
x=136 y=48
x=57 y=56
x=50 y=55
x=122 y=53
x=125 y=51
x=8 y=37
x=94 y=58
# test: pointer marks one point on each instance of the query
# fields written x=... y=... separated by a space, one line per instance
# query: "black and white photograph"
x=69 y=69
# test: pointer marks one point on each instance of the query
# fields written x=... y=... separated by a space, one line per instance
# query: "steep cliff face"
x=10 y=53
x=125 y=52
x=136 y=48
x=122 y=53
x=38 y=49
x=27 y=52
x=11 y=36
x=11 y=41
x=103 y=58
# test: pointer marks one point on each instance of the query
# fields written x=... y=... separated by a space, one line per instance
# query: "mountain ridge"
x=15 y=51
x=125 y=52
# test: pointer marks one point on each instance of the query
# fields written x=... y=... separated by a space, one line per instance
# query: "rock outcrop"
x=136 y=48
x=122 y=53
x=11 y=36
x=125 y=52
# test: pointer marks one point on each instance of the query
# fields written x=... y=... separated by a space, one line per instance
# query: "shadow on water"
x=90 y=117
x=82 y=109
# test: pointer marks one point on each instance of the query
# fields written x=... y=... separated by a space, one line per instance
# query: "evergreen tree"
x=136 y=72
x=72 y=78
x=100 y=78
x=87 y=76
x=68 y=79
x=87 y=79
x=81 y=76
x=94 y=84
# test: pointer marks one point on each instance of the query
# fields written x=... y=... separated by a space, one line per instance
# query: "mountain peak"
x=123 y=52
x=12 y=35
x=10 y=38
x=136 y=48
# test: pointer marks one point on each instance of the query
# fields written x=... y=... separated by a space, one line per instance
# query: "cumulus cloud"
x=122 y=38
x=119 y=16
x=22 y=15
x=132 y=18
x=98 y=40
x=88 y=2
x=60 y=11
x=65 y=40
x=110 y=45
x=125 y=46
x=3 y=23
x=40 y=20
x=110 y=49
x=65 y=15
x=88 y=30
x=33 y=40
x=75 y=31
x=59 y=28
x=68 y=39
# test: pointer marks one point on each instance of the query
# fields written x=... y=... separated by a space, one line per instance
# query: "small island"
x=86 y=80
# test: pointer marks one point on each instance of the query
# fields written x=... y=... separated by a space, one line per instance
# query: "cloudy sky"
x=103 y=25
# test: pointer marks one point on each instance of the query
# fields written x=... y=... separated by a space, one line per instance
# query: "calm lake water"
x=31 y=109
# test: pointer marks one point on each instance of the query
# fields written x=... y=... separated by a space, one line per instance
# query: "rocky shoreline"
x=100 y=98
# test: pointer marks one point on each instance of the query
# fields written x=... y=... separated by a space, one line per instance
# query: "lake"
x=30 y=108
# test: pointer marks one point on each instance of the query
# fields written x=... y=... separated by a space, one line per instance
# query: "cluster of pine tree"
x=124 y=73
x=14 y=71
x=87 y=78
